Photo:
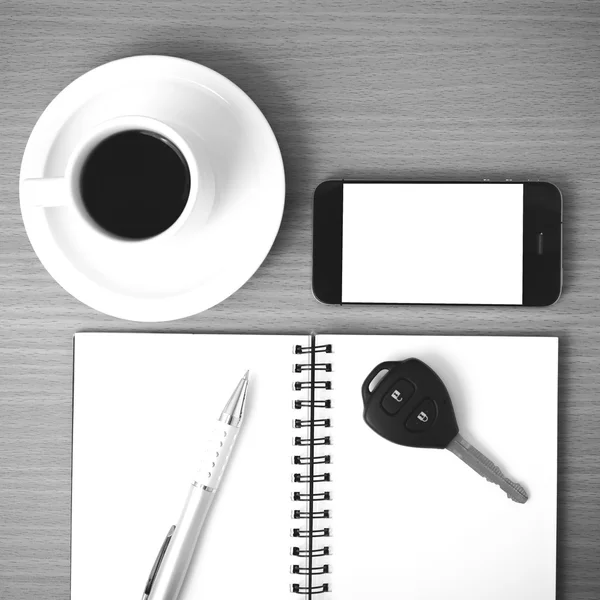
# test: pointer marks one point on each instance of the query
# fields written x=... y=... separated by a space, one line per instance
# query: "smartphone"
x=377 y=242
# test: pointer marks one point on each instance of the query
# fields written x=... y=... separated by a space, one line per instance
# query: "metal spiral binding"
x=298 y=349
x=314 y=440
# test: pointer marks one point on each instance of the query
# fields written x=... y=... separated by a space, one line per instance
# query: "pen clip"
x=156 y=565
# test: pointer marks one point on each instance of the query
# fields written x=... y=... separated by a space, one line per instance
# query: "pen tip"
x=234 y=409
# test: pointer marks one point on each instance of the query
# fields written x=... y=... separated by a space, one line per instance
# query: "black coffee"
x=135 y=184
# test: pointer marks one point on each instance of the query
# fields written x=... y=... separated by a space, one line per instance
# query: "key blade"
x=486 y=468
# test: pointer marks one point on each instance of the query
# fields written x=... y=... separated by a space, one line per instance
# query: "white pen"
x=171 y=564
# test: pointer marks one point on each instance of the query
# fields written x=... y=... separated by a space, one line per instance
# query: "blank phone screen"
x=422 y=243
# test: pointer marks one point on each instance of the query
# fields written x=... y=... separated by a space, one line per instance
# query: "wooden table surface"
x=388 y=89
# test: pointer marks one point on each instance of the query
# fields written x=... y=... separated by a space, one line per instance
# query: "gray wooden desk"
x=388 y=89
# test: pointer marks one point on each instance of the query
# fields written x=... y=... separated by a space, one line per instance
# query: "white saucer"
x=178 y=280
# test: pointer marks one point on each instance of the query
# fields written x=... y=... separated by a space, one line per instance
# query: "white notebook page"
x=416 y=524
x=143 y=406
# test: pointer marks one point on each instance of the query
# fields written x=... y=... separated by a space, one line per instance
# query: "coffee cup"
x=133 y=179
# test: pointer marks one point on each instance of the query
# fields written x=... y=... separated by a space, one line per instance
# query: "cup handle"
x=46 y=191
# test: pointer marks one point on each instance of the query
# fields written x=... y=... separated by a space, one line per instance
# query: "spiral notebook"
x=314 y=504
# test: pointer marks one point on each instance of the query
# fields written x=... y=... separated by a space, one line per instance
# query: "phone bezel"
x=542 y=214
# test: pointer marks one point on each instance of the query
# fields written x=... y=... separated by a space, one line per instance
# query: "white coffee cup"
x=64 y=192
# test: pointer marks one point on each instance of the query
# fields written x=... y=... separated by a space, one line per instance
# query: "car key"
x=410 y=405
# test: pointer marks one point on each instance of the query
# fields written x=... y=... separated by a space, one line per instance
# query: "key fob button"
x=422 y=417
x=397 y=396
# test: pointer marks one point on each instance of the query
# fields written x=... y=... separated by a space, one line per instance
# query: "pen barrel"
x=216 y=455
x=180 y=550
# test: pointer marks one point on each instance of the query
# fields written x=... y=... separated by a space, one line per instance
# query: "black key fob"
x=409 y=405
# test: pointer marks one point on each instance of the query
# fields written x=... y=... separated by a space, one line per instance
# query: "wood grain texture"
x=386 y=89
